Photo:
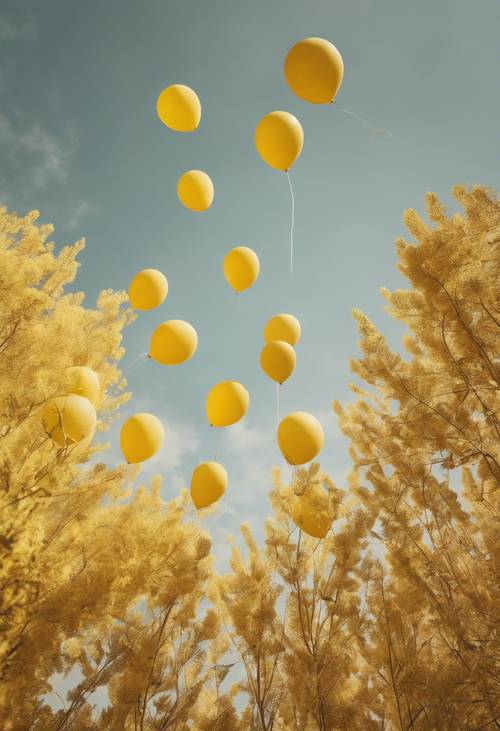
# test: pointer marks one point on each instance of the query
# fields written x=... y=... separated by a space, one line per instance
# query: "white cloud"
x=173 y=461
x=82 y=210
x=30 y=157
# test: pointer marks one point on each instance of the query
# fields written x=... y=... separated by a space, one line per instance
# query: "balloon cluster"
x=313 y=69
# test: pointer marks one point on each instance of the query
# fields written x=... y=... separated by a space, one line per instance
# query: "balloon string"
x=292 y=222
x=367 y=124
x=277 y=404
x=140 y=360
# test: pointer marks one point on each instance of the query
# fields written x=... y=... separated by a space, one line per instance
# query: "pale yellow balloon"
x=227 y=402
x=195 y=190
x=141 y=437
x=69 y=419
x=277 y=360
x=173 y=342
x=314 y=70
x=84 y=382
x=241 y=268
x=147 y=289
x=300 y=437
x=279 y=138
x=310 y=512
x=208 y=483
x=179 y=108
x=282 y=327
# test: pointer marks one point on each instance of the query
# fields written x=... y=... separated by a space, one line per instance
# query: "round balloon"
x=314 y=70
x=141 y=437
x=208 y=483
x=279 y=138
x=282 y=327
x=227 y=402
x=173 y=342
x=69 y=419
x=84 y=382
x=241 y=268
x=300 y=437
x=179 y=108
x=277 y=360
x=147 y=289
x=195 y=190
x=310 y=512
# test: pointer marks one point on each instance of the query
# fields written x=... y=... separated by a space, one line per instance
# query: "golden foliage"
x=389 y=622
x=426 y=453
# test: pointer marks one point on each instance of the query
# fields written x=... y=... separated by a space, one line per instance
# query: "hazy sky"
x=80 y=140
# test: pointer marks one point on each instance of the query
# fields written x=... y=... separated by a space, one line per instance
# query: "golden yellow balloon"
x=314 y=70
x=300 y=437
x=179 y=108
x=141 y=437
x=282 y=327
x=277 y=360
x=147 y=289
x=227 y=402
x=69 y=419
x=195 y=190
x=241 y=268
x=279 y=138
x=84 y=382
x=208 y=483
x=173 y=342
x=310 y=512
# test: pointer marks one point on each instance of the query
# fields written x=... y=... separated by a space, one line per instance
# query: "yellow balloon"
x=147 y=289
x=282 y=327
x=279 y=138
x=173 y=342
x=227 y=403
x=241 y=268
x=310 y=512
x=141 y=437
x=300 y=437
x=195 y=190
x=69 y=419
x=84 y=382
x=179 y=108
x=277 y=360
x=314 y=70
x=208 y=483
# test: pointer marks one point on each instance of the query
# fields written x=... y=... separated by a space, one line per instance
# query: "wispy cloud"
x=10 y=29
x=181 y=443
x=82 y=210
x=252 y=454
x=30 y=157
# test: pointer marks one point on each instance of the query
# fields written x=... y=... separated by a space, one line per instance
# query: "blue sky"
x=80 y=140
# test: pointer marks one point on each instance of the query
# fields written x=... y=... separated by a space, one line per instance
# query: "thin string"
x=377 y=130
x=223 y=510
x=292 y=222
x=140 y=360
x=277 y=404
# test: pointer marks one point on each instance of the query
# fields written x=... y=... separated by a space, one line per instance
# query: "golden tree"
x=426 y=452
x=325 y=582
x=294 y=614
x=89 y=578
x=43 y=332
x=246 y=599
